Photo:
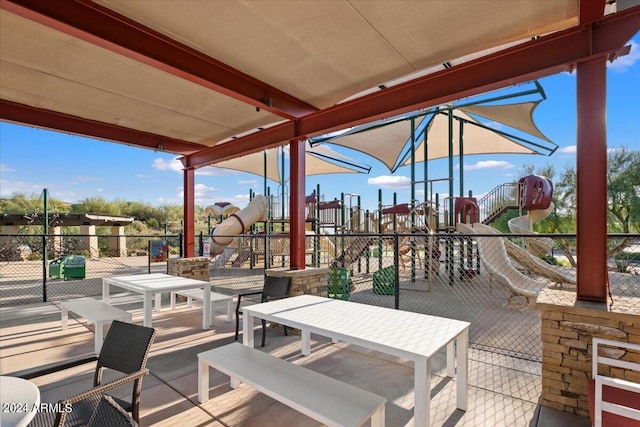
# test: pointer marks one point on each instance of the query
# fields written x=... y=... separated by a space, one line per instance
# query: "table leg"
x=173 y=300
x=146 y=305
x=422 y=394
x=451 y=359
x=158 y=303
x=462 y=377
x=247 y=330
x=203 y=380
x=97 y=345
x=206 y=308
x=105 y=292
x=306 y=342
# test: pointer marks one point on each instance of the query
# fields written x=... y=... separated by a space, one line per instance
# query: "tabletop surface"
x=398 y=332
x=154 y=282
x=18 y=398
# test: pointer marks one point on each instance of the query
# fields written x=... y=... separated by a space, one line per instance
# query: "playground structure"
x=342 y=235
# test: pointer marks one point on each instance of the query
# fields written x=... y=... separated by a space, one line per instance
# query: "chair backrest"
x=126 y=347
x=275 y=287
x=109 y=414
x=614 y=401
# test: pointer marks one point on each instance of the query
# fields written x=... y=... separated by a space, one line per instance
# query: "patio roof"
x=185 y=76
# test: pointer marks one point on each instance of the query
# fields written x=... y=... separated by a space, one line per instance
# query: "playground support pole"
x=296 y=212
x=591 y=170
x=412 y=249
x=189 y=213
x=461 y=157
x=450 y=115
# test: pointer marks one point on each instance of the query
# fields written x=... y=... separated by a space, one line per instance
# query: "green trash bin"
x=55 y=268
x=74 y=267
x=338 y=283
x=69 y=267
x=384 y=281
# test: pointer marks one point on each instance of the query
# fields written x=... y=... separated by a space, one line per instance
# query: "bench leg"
x=64 y=317
x=212 y=319
x=229 y=310
x=234 y=382
x=377 y=419
x=203 y=381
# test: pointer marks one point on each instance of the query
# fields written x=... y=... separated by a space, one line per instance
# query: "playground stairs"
x=242 y=257
x=498 y=200
x=224 y=257
x=353 y=251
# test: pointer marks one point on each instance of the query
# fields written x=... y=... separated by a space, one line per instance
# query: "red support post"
x=591 y=169
x=297 y=204
x=189 y=216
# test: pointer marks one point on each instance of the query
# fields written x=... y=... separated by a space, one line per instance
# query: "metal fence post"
x=396 y=261
x=44 y=269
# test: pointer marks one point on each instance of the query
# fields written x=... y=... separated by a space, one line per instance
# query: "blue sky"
x=74 y=168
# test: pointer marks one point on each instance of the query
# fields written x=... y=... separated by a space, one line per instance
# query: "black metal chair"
x=125 y=350
x=274 y=288
x=109 y=414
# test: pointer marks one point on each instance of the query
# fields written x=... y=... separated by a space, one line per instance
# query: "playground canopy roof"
x=186 y=76
x=268 y=163
x=389 y=141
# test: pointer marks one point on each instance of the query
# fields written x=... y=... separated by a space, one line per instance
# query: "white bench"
x=322 y=398
x=94 y=311
x=198 y=294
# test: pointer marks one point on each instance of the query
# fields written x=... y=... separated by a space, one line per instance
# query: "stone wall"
x=310 y=281
x=568 y=327
x=193 y=268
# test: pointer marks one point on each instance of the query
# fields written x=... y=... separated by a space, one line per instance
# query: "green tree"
x=623 y=194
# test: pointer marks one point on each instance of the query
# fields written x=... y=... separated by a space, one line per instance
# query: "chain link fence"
x=36 y=268
x=477 y=276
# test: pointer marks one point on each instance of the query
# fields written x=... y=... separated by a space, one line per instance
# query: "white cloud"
x=623 y=63
x=203 y=195
x=386 y=181
x=250 y=182
x=214 y=171
x=173 y=165
x=571 y=149
x=5 y=168
x=9 y=188
x=489 y=164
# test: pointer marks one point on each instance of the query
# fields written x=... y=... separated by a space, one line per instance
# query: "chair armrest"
x=619 y=383
x=245 y=295
x=82 y=413
x=99 y=390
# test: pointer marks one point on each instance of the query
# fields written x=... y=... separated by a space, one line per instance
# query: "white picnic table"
x=155 y=284
x=412 y=336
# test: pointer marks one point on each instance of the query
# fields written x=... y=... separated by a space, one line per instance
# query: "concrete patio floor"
x=30 y=336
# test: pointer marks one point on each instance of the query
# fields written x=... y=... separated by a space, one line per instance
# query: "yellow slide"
x=523 y=225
